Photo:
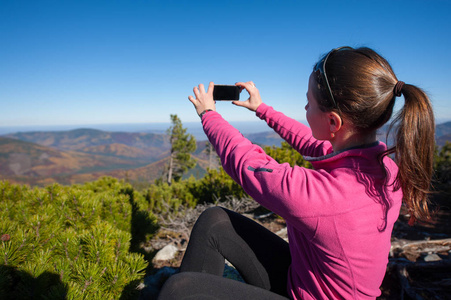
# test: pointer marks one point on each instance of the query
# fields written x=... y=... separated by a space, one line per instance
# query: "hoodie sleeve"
x=298 y=135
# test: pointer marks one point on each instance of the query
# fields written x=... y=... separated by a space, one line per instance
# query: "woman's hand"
x=254 y=100
x=204 y=100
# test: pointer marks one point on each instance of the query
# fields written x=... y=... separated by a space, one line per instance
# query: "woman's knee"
x=212 y=216
x=214 y=212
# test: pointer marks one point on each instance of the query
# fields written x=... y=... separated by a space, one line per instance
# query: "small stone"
x=432 y=257
x=166 y=253
x=5 y=237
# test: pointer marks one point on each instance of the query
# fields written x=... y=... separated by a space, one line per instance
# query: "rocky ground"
x=419 y=264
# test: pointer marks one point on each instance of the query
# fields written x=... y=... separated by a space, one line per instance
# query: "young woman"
x=340 y=214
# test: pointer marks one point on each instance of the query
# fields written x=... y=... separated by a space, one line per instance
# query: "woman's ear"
x=335 y=122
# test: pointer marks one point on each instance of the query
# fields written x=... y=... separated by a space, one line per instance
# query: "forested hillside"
x=25 y=162
x=77 y=156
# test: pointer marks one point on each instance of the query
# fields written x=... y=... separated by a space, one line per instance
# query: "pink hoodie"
x=339 y=232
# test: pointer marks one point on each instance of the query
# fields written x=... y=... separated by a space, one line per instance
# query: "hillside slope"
x=31 y=163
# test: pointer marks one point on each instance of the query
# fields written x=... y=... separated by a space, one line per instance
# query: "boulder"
x=168 y=252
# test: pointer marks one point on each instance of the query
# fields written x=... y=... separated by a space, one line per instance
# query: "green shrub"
x=216 y=185
x=71 y=242
x=442 y=164
x=286 y=154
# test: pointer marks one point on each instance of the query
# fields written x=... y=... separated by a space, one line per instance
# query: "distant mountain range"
x=77 y=156
x=443 y=133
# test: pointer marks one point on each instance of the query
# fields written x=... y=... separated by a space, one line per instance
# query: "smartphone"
x=226 y=92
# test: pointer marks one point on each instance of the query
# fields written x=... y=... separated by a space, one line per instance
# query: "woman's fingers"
x=201 y=88
x=211 y=87
x=254 y=99
x=249 y=86
x=203 y=100
x=241 y=103
x=196 y=92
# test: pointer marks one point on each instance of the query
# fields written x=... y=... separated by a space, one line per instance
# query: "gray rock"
x=432 y=257
x=166 y=253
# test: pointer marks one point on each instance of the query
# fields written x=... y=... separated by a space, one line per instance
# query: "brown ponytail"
x=414 y=151
x=365 y=88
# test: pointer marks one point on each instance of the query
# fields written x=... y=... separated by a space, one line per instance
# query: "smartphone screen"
x=226 y=92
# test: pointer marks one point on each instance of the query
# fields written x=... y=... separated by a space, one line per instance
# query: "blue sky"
x=117 y=62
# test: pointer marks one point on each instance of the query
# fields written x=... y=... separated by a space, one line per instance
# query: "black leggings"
x=261 y=257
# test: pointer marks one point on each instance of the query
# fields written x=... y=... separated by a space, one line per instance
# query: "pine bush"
x=287 y=154
x=75 y=242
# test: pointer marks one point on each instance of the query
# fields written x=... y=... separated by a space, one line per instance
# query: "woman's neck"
x=345 y=139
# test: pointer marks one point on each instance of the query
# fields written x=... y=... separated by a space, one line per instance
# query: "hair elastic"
x=398 y=88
